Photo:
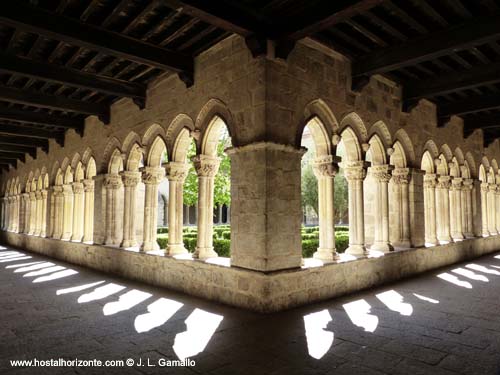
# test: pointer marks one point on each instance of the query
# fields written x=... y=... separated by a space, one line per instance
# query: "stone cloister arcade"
x=419 y=196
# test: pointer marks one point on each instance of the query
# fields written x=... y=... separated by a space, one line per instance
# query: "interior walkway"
x=443 y=322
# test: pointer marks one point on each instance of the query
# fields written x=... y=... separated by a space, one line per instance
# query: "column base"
x=402 y=243
x=205 y=253
x=444 y=240
x=176 y=249
x=66 y=237
x=382 y=246
x=128 y=243
x=36 y=234
x=356 y=250
x=328 y=255
x=431 y=242
x=76 y=238
x=111 y=242
x=149 y=246
x=469 y=235
x=457 y=236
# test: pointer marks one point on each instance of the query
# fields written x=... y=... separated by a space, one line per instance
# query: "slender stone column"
x=496 y=209
x=456 y=209
x=43 y=222
x=88 y=216
x=355 y=173
x=443 y=209
x=78 y=198
x=325 y=169
x=25 y=206
x=381 y=176
x=32 y=199
x=112 y=183
x=491 y=208
x=176 y=173
x=400 y=180
x=68 y=204
x=58 y=212
x=151 y=176
x=130 y=180
x=52 y=209
x=38 y=213
x=484 y=209
x=467 y=207
x=15 y=225
x=4 y=213
x=206 y=168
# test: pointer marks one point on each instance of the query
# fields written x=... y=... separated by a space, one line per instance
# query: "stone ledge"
x=255 y=290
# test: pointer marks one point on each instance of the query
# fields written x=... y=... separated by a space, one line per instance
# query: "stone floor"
x=444 y=322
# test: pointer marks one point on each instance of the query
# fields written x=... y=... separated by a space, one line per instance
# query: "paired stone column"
x=325 y=169
x=130 y=180
x=151 y=176
x=467 y=207
x=33 y=213
x=491 y=208
x=112 y=184
x=484 y=209
x=38 y=213
x=443 y=208
x=58 y=211
x=355 y=173
x=78 y=206
x=15 y=223
x=25 y=224
x=496 y=209
x=4 y=213
x=206 y=168
x=381 y=176
x=176 y=173
x=88 y=215
x=43 y=218
x=456 y=209
x=68 y=203
x=400 y=180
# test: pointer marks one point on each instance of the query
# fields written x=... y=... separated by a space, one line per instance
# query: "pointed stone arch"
x=398 y=157
x=483 y=177
x=211 y=136
x=402 y=136
x=215 y=108
x=446 y=152
x=353 y=151
x=321 y=137
x=156 y=152
x=459 y=155
x=115 y=164
x=181 y=146
x=90 y=168
x=53 y=172
x=356 y=124
x=65 y=163
x=442 y=165
x=376 y=154
x=130 y=141
x=319 y=111
x=432 y=148
x=179 y=123
x=110 y=149
x=494 y=165
x=79 y=172
x=75 y=160
x=469 y=158
x=135 y=157
x=381 y=129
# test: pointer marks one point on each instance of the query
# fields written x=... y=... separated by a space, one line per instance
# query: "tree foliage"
x=222 y=183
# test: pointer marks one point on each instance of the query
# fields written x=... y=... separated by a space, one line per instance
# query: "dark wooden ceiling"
x=62 y=60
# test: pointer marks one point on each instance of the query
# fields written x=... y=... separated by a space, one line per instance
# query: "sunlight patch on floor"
x=359 y=313
x=159 y=312
x=101 y=292
x=35 y=267
x=394 y=301
x=470 y=275
x=454 y=280
x=319 y=339
x=15 y=259
x=477 y=267
x=424 y=298
x=23 y=264
x=126 y=301
x=44 y=271
x=78 y=288
x=55 y=276
x=201 y=325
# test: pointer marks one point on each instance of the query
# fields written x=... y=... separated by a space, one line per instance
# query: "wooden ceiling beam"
x=27 y=131
x=38 y=21
x=18 y=149
x=429 y=46
x=474 y=104
x=24 y=141
x=28 y=117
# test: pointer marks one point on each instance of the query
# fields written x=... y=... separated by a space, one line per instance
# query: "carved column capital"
x=206 y=166
x=401 y=176
x=380 y=173
x=130 y=178
x=443 y=182
x=67 y=189
x=325 y=166
x=38 y=195
x=484 y=187
x=492 y=187
x=44 y=194
x=77 y=187
x=176 y=171
x=32 y=195
x=152 y=175
x=112 y=181
x=354 y=170
x=88 y=185
x=456 y=183
x=57 y=190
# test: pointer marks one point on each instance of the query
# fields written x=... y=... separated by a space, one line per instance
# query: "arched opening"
x=399 y=210
x=213 y=169
x=324 y=195
x=113 y=200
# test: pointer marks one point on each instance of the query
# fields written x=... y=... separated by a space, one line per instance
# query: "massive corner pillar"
x=355 y=173
x=266 y=210
x=130 y=181
x=43 y=218
x=176 y=173
x=78 y=213
x=401 y=220
x=151 y=176
x=456 y=227
x=491 y=208
x=381 y=175
x=58 y=211
x=325 y=169
x=88 y=215
x=468 y=207
x=443 y=209
x=38 y=213
x=68 y=203
x=112 y=184
x=206 y=168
